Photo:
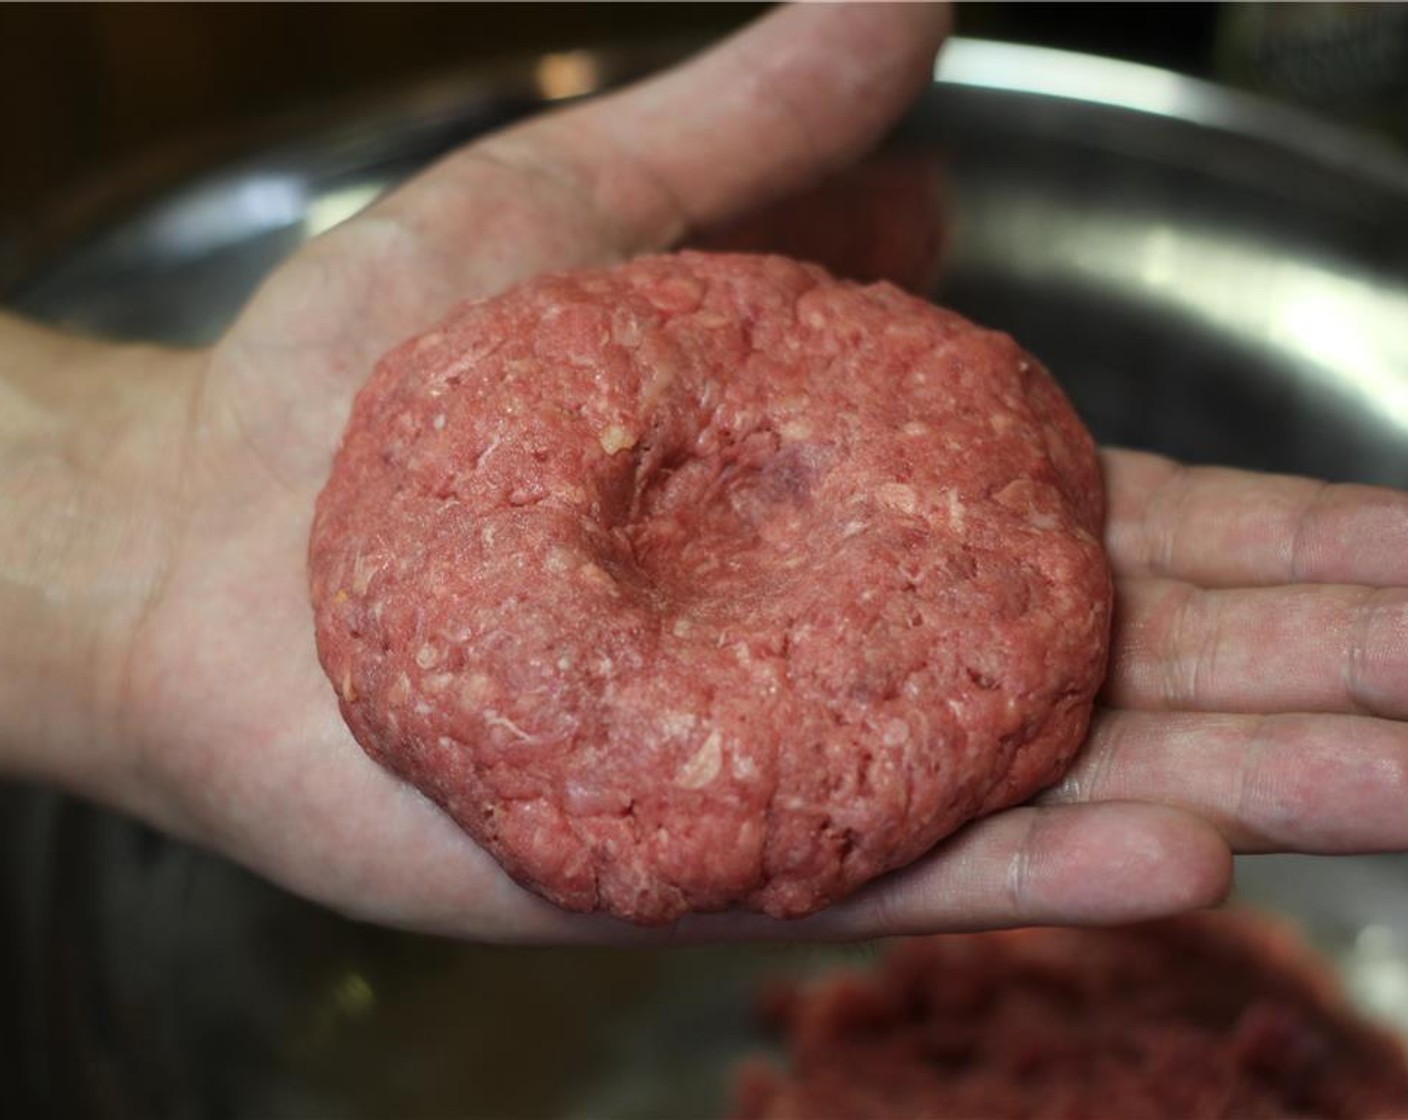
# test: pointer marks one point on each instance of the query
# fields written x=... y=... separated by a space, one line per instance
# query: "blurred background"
x=87 y=89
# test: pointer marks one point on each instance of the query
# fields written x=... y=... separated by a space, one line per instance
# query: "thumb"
x=789 y=98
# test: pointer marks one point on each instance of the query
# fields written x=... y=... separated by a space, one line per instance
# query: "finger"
x=1303 y=648
x=798 y=93
x=1221 y=528
x=1088 y=865
x=1295 y=783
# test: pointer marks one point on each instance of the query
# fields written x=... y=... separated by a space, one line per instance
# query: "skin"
x=156 y=640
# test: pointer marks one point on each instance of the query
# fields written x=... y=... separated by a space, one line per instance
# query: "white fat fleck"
x=896 y=733
x=427 y=656
x=564 y=663
x=615 y=438
x=743 y=767
x=795 y=430
x=349 y=693
x=427 y=341
x=905 y=330
x=852 y=528
x=400 y=690
x=497 y=719
x=487 y=535
x=362 y=572
x=594 y=573
x=558 y=560
x=1043 y=521
x=897 y=496
x=704 y=767
x=525 y=495
x=682 y=627
x=1016 y=495
x=677 y=725
x=915 y=428
x=956 y=509
x=422 y=708
x=473 y=691
x=626 y=331
x=439 y=422
x=437 y=682
x=483 y=456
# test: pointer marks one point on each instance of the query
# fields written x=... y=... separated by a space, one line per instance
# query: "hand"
x=208 y=714
x=1259 y=675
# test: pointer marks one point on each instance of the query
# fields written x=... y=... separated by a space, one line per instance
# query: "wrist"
x=93 y=443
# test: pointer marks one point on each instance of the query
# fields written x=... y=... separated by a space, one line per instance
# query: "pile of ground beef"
x=1207 y=1016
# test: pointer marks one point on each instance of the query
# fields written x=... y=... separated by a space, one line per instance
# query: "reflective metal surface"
x=1209 y=276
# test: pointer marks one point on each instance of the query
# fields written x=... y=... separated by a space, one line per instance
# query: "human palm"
x=1241 y=597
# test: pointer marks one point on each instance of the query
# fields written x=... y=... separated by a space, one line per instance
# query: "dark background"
x=85 y=89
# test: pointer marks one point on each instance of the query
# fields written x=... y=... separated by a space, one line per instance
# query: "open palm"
x=1240 y=597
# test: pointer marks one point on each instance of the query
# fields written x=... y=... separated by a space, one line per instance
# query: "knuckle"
x=1020 y=870
x=1307 y=531
x=1090 y=777
x=1250 y=802
x=1166 y=521
x=1190 y=648
x=1376 y=668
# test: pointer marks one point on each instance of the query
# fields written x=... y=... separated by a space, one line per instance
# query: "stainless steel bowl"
x=1210 y=276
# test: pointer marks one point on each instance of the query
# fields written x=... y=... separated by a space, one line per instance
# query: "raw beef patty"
x=711 y=581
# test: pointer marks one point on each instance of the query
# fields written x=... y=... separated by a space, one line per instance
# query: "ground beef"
x=711 y=580
x=1197 y=1018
